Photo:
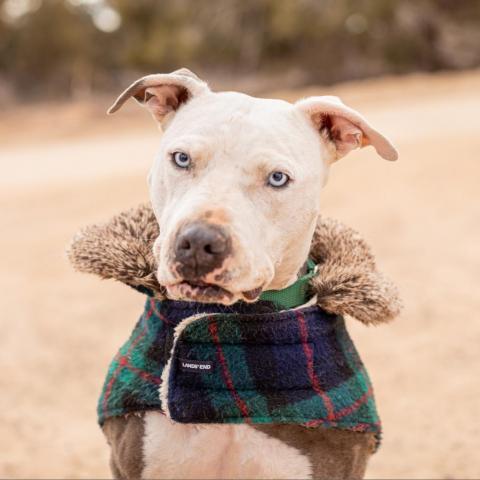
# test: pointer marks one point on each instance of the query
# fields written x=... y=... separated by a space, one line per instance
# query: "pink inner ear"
x=161 y=100
x=346 y=135
x=345 y=126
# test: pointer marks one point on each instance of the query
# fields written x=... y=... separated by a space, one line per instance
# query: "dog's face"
x=235 y=188
x=236 y=183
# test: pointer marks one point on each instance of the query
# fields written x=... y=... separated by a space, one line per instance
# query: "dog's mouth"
x=199 y=291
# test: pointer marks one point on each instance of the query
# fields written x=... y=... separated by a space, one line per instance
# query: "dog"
x=235 y=188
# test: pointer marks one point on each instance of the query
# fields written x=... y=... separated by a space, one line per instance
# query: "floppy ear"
x=345 y=127
x=162 y=93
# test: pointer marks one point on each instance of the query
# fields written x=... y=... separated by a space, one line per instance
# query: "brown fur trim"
x=347 y=282
x=120 y=249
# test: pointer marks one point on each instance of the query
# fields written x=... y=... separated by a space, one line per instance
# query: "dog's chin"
x=209 y=293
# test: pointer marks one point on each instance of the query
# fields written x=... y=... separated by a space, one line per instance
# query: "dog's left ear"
x=163 y=93
x=345 y=127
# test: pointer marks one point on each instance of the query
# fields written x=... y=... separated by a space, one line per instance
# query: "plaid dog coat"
x=255 y=363
x=247 y=363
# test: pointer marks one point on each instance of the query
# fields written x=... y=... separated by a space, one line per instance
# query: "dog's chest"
x=173 y=450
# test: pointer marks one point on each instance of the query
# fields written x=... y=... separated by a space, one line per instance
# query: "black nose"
x=200 y=248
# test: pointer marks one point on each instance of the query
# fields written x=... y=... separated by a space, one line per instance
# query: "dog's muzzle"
x=199 y=249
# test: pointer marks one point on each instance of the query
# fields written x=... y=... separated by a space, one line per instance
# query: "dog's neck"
x=296 y=294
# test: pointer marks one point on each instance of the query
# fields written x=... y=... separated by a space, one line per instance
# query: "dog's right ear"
x=162 y=93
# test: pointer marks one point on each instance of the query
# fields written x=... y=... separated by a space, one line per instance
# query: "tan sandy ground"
x=421 y=215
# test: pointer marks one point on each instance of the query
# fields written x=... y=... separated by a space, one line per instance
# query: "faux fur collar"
x=347 y=282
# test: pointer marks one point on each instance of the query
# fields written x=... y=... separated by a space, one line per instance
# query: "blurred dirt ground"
x=67 y=166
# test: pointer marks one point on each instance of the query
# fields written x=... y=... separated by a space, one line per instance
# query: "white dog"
x=235 y=188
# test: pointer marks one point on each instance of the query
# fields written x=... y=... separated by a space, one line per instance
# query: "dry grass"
x=64 y=167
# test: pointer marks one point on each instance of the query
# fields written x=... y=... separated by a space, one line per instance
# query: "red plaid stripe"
x=344 y=411
x=141 y=373
x=311 y=371
x=123 y=360
x=242 y=406
x=354 y=406
x=365 y=427
x=159 y=314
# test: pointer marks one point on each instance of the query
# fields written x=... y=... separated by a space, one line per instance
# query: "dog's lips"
x=252 y=295
x=209 y=292
x=200 y=292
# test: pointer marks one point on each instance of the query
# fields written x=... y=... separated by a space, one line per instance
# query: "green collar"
x=295 y=295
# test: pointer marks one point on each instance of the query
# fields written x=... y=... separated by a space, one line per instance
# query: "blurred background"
x=411 y=67
x=75 y=48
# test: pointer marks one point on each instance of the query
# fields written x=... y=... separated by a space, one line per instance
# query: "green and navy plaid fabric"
x=248 y=364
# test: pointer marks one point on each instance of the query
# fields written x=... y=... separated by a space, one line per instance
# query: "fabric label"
x=196 y=365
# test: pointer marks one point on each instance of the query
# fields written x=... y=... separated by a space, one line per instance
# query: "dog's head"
x=236 y=183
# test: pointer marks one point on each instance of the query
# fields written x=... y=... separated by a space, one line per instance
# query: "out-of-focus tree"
x=69 y=47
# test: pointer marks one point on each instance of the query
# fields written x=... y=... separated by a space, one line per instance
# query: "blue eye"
x=181 y=159
x=278 y=179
